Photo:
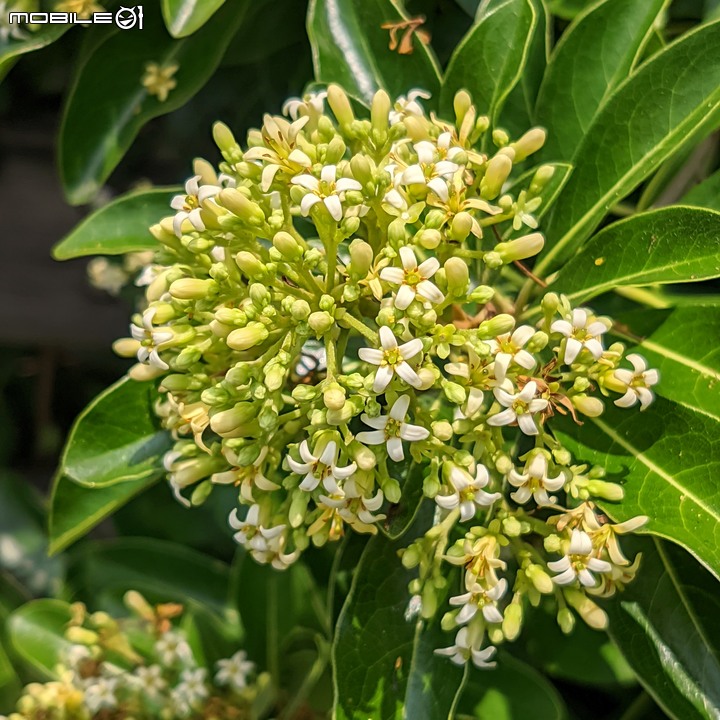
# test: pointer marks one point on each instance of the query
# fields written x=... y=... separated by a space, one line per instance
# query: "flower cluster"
x=140 y=667
x=332 y=323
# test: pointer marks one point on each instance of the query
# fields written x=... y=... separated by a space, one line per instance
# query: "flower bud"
x=498 y=171
x=427 y=378
x=304 y=393
x=335 y=151
x=241 y=206
x=136 y=603
x=498 y=325
x=500 y=138
x=224 y=138
x=340 y=104
x=541 y=178
x=227 y=421
x=410 y=557
x=566 y=620
x=520 y=248
x=493 y=260
x=361 y=257
x=457 y=274
x=334 y=396
x=362 y=169
x=442 y=430
x=462 y=102
x=250 y=264
x=429 y=238
x=247 y=337
x=455 y=393
x=320 y=322
x=552 y=543
x=193 y=288
x=512 y=620
x=481 y=295
x=141 y=373
x=512 y=526
x=461 y=226
x=81 y=636
x=201 y=493
x=529 y=143
x=126 y=347
x=537 y=342
x=380 y=111
x=606 y=490
x=540 y=579
x=589 y=611
x=287 y=246
x=590 y=406
x=342 y=415
x=300 y=310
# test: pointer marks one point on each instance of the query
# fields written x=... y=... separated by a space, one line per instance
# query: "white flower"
x=188 y=206
x=354 y=508
x=173 y=648
x=413 y=279
x=535 y=482
x=234 y=671
x=193 y=684
x=479 y=598
x=580 y=333
x=638 y=382
x=445 y=147
x=310 y=104
x=150 y=679
x=100 y=695
x=150 y=339
x=327 y=190
x=391 y=359
x=468 y=493
x=408 y=105
x=266 y=545
x=508 y=349
x=578 y=563
x=430 y=172
x=462 y=651
x=520 y=408
x=320 y=469
x=392 y=429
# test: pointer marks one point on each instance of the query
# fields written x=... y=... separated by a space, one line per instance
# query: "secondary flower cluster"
x=331 y=317
x=141 y=667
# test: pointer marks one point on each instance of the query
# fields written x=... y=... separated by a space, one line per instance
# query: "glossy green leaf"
x=670 y=245
x=490 y=59
x=569 y=9
x=11 y=597
x=108 y=104
x=163 y=571
x=400 y=516
x=664 y=622
x=706 y=194
x=116 y=438
x=11 y=48
x=384 y=663
x=673 y=95
x=592 y=58
x=184 y=17
x=37 y=633
x=351 y=48
x=668 y=460
x=75 y=509
x=118 y=227
x=682 y=343
x=512 y=690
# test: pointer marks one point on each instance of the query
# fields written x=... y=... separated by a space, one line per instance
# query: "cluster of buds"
x=141 y=667
x=330 y=315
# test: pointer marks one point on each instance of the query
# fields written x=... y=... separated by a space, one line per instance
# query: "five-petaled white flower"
x=188 y=206
x=535 y=482
x=320 y=468
x=150 y=339
x=193 y=684
x=309 y=104
x=354 y=508
x=327 y=190
x=520 y=407
x=413 y=279
x=172 y=648
x=430 y=172
x=579 y=563
x=266 y=545
x=639 y=380
x=101 y=695
x=477 y=598
x=468 y=492
x=392 y=358
x=392 y=429
x=234 y=671
x=463 y=650
x=509 y=349
x=580 y=333
x=150 y=680
x=408 y=105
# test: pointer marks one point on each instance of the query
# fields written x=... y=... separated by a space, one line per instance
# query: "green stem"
x=643 y=296
x=354 y=324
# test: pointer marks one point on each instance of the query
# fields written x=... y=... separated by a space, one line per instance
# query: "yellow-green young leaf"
x=682 y=343
x=490 y=59
x=108 y=103
x=116 y=438
x=569 y=9
x=706 y=194
x=594 y=55
x=75 y=509
x=351 y=48
x=671 y=96
x=664 y=623
x=184 y=17
x=119 y=227
x=670 y=245
x=382 y=659
x=668 y=460
x=37 y=634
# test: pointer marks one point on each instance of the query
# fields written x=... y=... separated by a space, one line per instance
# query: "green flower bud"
x=287 y=246
x=227 y=421
x=259 y=295
x=552 y=543
x=462 y=102
x=493 y=260
x=497 y=172
x=241 y=206
x=362 y=455
x=520 y=248
x=541 y=178
x=429 y=238
x=442 y=430
x=498 y=325
x=396 y=232
x=537 y=342
x=362 y=169
x=275 y=377
x=188 y=356
x=410 y=557
x=457 y=274
x=340 y=104
x=248 y=337
x=250 y=264
x=335 y=151
x=300 y=310
x=511 y=526
x=461 y=226
x=566 y=620
x=327 y=303
x=81 y=636
x=499 y=137
x=304 y=393
x=529 y=143
x=298 y=508
x=193 y=289
x=361 y=257
x=334 y=396
x=224 y=138
x=201 y=493
x=590 y=612
x=481 y=295
x=606 y=490
x=341 y=416
x=503 y=463
x=238 y=375
x=512 y=620
x=320 y=322
x=230 y=316
x=455 y=393
x=540 y=579
x=380 y=111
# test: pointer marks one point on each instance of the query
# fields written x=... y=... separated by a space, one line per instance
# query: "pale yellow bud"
x=321 y=321
x=340 y=104
x=334 y=397
x=520 y=248
x=361 y=257
x=529 y=143
x=540 y=579
x=442 y=430
x=512 y=621
x=193 y=288
x=380 y=111
x=427 y=378
x=241 y=206
x=126 y=347
x=227 y=421
x=498 y=171
x=606 y=490
x=589 y=611
x=247 y=337
x=462 y=102
x=590 y=406
x=81 y=636
x=457 y=274
x=141 y=373
x=250 y=264
x=223 y=137
x=287 y=246
x=135 y=602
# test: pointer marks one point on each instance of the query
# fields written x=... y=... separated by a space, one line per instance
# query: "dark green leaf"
x=385 y=666
x=184 y=17
x=108 y=104
x=706 y=194
x=75 y=510
x=490 y=59
x=668 y=461
x=593 y=57
x=399 y=517
x=37 y=633
x=670 y=245
x=11 y=48
x=664 y=622
x=569 y=9
x=511 y=691
x=119 y=227
x=670 y=97
x=116 y=438
x=351 y=48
